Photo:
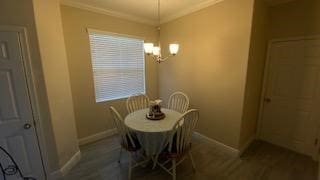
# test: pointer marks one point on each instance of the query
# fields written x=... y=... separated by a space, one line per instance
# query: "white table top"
x=137 y=121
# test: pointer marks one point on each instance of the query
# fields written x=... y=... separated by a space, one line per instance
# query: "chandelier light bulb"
x=156 y=51
x=148 y=48
x=174 y=48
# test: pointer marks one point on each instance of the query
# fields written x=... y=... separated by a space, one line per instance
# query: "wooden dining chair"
x=136 y=102
x=127 y=141
x=178 y=146
x=178 y=101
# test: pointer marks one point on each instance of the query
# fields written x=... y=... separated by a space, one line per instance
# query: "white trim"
x=71 y=163
x=66 y=167
x=56 y=175
x=298 y=38
x=97 y=136
x=275 y=3
x=232 y=151
x=109 y=12
x=263 y=91
x=122 y=15
x=189 y=10
x=318 y=171
x=246 y=145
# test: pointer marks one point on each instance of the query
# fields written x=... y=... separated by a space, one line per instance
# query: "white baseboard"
x=246 y=145
x=98 y=136
x=318 y=172
x=232 y=151
x=71 y=163
x=56 y=175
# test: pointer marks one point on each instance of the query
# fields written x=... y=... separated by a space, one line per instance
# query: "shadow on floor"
x=261 y=161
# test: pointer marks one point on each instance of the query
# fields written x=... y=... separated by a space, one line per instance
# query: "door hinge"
x=316 y=141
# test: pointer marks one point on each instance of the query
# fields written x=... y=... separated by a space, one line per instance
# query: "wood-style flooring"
x=261 y=161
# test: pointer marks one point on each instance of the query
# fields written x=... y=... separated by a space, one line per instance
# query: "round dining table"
x=152 y=134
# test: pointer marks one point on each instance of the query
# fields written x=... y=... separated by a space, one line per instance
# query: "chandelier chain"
x=155 y=51
x=159 y=13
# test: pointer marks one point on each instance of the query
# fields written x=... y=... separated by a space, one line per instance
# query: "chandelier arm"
x=162 y=59
x=156 y=58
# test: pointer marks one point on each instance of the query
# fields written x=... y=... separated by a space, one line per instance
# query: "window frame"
x=96 y=31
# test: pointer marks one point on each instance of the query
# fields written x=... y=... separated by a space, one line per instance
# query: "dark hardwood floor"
x=261 y=161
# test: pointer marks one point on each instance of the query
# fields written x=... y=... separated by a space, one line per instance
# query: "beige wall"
x=296 y=18
x=211 y=65
x=258 y=48
x=56 y=77
x=92 y=117
x=20 y=13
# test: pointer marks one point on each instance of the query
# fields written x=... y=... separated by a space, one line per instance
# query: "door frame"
x=33 y=96
x=265 y=84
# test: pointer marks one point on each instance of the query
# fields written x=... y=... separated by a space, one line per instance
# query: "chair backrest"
x=136 y=102
x=122 y=129
x=178 y=101
x=181 y=134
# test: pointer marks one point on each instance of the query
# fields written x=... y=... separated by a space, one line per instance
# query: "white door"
x=291 y=100
x=17 y=132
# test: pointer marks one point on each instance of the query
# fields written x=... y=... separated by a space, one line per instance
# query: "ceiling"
x=145 y=11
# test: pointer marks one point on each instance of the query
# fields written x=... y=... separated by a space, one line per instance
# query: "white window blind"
x=118 y=65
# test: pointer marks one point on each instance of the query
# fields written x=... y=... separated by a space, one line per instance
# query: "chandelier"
x=155 y=51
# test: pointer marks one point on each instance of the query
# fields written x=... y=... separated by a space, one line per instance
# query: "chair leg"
x=120 y=154
x=174 y=166
x=192 y=162
x=154 y=160
x=130 y=166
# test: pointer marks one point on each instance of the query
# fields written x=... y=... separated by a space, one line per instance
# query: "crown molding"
x=109 y=12
x=134 y=18
x=279 y=2
x=189 y=10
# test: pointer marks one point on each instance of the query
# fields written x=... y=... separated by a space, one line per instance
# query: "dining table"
x=152 y=134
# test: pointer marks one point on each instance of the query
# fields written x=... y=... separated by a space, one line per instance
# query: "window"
x=118 y=65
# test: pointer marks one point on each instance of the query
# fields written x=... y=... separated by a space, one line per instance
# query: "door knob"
x=267 y=100
x=27 y=126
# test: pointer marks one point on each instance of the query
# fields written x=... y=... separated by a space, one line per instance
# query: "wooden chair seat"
x=174 y=153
